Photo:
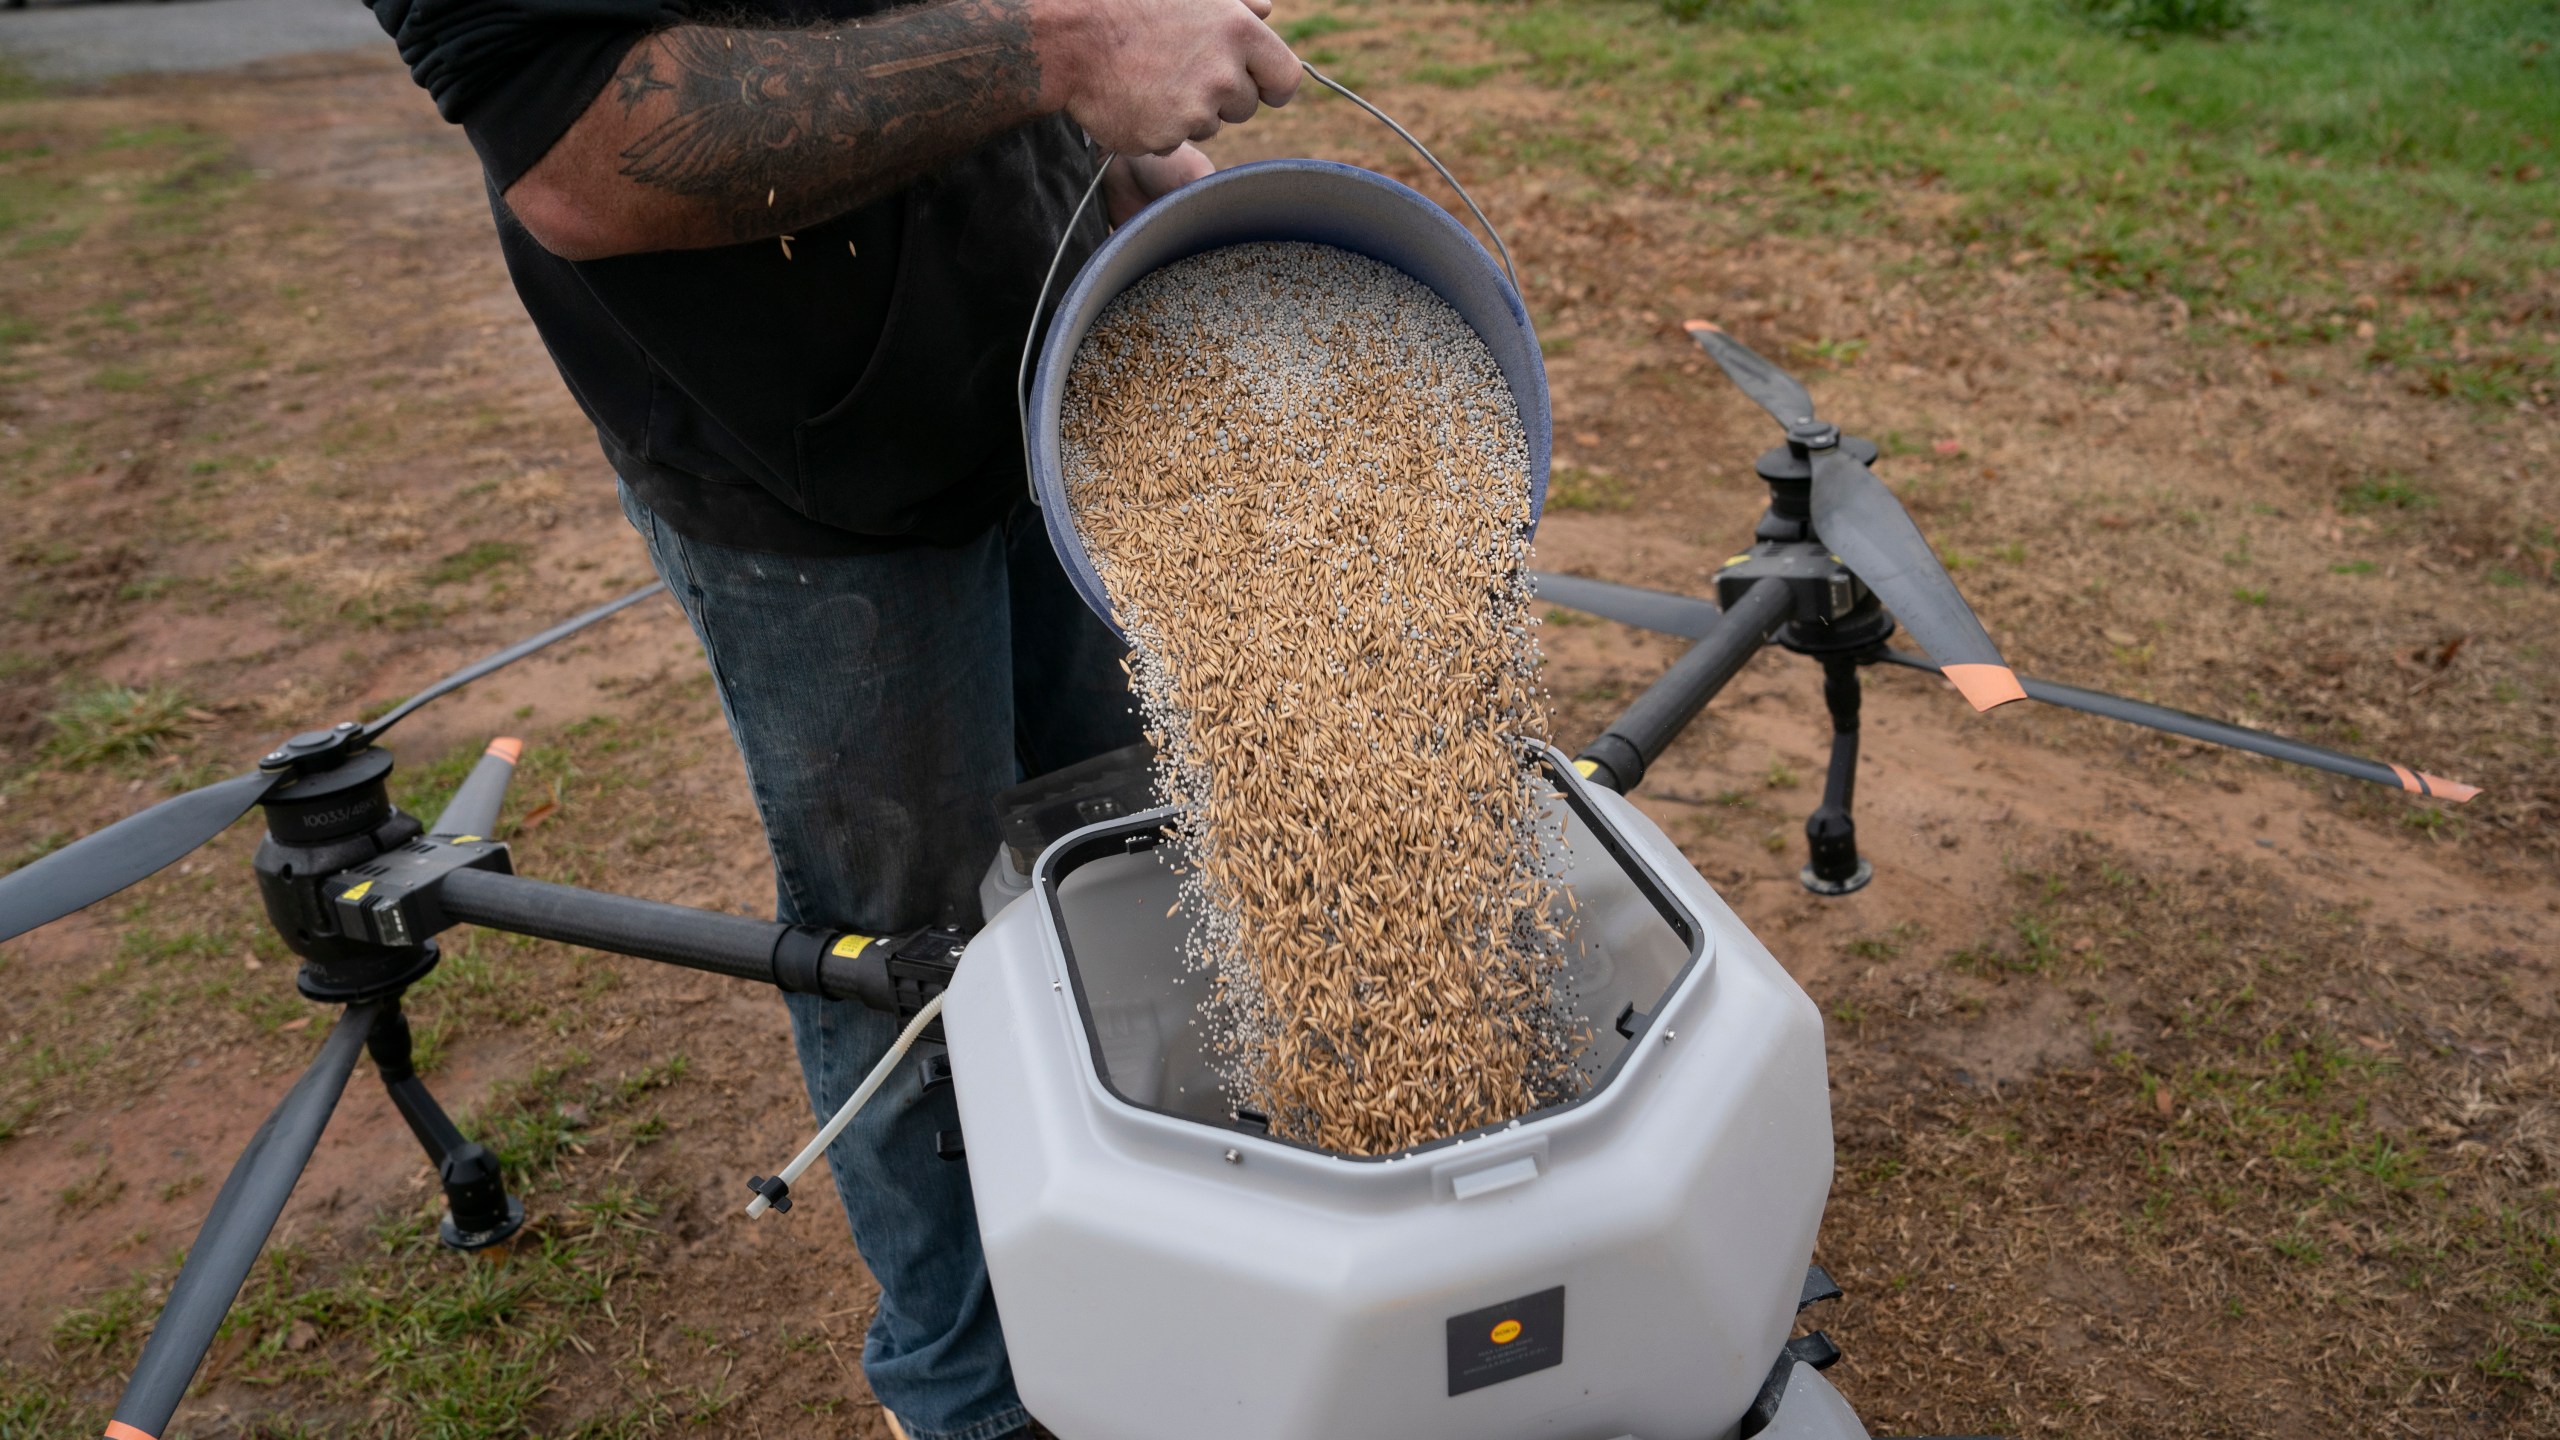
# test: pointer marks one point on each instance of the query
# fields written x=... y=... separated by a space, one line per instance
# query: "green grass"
x=466 y=1345
x=94 y=1187
x=1458 y=77
x=2391 y=492
x=2264 y=1108
x=2331 y=166
x=65 y=189
x=461 y=1346
x=1753 y=14
x=116 y=1321
x=1314 y=27
x=474 y=560
x=29 y=1411
x=17 y=83
x=116 y=723
x=147 y=137
x=1885 y=946
x=1838 y=353
x=1573 y=488
x=2157 y=19
x=422 y=787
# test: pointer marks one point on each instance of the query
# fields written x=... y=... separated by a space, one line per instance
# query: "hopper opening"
x=1113 y=898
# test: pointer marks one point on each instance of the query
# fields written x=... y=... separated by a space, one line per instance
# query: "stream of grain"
x=1305 y=486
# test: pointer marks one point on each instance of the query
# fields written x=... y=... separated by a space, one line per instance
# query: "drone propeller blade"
x=96 y=866
x=504 y=658
x=235 y=1230
x=1873 y=535
x=1778 y=392
x=91 y=869
x=1660 y=610
x=473 y=810
x=2217 y=732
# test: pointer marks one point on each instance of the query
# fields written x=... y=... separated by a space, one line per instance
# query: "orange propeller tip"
x=2436 y=787
x=507 y=748
x=1985 y=686
x=2443 y=789
x=1695 y=327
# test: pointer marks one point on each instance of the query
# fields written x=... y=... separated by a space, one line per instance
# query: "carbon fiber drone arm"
x=1622 y=754
x=402 y=898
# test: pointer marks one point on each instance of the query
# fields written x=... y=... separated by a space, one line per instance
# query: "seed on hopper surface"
x=1304 y=484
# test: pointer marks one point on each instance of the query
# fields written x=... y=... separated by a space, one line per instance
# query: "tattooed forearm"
x=709 y=135
x=767 y=130
x=637 y=82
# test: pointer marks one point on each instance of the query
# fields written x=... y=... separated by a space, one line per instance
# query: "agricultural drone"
x=361 y=891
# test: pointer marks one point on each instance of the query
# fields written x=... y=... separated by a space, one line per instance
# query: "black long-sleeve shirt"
x=853 y=394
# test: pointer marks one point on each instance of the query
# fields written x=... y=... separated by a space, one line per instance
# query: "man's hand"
x=711 y=135
x=1135 y=180
x=1143 y=76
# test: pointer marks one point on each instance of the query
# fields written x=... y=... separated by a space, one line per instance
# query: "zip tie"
x=852 y=1106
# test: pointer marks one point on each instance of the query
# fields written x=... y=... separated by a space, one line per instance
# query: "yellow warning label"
x=1506 y=1332
x=356 y=892
x=1584 y=768
x=849 y=946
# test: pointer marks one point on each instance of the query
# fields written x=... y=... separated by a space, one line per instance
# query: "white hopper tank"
x=1624 y=1265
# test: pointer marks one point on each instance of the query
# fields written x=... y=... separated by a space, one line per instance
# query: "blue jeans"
x=881 y=701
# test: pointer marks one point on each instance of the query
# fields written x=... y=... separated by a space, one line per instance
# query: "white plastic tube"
x=853 y=1104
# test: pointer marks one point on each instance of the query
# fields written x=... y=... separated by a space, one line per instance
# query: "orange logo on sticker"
x=1506 y=1332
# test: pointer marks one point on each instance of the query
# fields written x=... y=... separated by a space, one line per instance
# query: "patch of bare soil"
x=2176 y=1093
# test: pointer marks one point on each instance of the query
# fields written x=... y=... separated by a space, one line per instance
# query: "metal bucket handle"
x=1425 y=152
x=1031 y=337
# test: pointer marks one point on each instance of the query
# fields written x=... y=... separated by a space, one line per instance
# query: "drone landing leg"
x=1837 y=868
x=235 y=1230
x=479 y=1212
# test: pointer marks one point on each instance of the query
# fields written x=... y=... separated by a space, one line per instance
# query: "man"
x=785 y=259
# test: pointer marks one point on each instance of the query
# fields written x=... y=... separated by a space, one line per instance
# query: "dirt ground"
x=2176 y=1093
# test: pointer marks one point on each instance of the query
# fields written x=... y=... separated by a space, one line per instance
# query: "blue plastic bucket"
x=1310 y=200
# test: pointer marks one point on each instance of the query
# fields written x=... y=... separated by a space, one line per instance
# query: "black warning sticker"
x=1500 y=1342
